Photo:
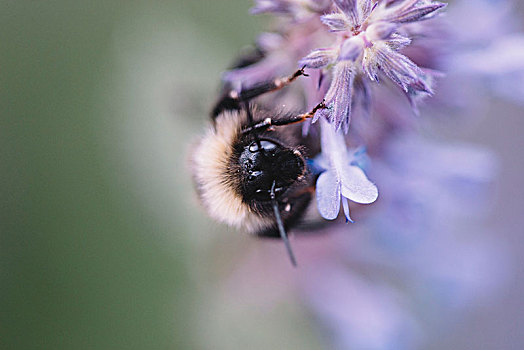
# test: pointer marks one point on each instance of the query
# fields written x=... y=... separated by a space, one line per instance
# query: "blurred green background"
x=101 y=246
x=88 y=260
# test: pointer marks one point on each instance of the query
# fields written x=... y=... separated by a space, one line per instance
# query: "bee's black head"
x=263 y=162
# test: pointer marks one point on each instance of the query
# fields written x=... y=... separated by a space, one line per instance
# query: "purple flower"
x=342 y=179
x=272 y=6
x=368 y=43
x=338 y=98
x=294 y=8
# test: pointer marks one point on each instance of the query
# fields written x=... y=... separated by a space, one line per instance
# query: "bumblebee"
x=250 y=169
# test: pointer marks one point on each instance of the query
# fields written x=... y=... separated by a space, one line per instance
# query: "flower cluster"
x=372 y=61
x=368 y=40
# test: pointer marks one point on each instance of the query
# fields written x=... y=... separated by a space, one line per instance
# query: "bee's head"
x=263 y=162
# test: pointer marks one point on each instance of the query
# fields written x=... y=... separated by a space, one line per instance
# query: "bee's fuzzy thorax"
x=213 y=174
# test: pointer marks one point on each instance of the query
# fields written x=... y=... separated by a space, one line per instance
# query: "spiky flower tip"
x=369 y=37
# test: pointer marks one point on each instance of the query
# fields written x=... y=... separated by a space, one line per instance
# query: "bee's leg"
x=233 y=100
x=301 y=117
x=263 y=88
x=268 y=122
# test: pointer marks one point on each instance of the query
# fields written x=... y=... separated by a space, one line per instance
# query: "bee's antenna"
x=283 y=233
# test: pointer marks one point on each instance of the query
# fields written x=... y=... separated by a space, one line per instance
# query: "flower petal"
x=366 y=6
x=340 y=94
x=351 y=49
x=270 y=41
x=414 y=11
x=270 y=6
x=336 y=22
x=380 y=30
x=422 y=88
x=345 y=206
x=397 y=67
x=328 y=195
x=356 y=186
x=318 y=58
x=370 y=64
x=390 y=2
x=397 y=41
x=350 y=9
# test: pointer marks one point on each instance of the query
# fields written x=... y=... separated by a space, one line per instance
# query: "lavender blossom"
x=341 y=179
x=294 y=8
x=368 y=41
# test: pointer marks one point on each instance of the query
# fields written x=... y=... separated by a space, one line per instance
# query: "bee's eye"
x=266 y=146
